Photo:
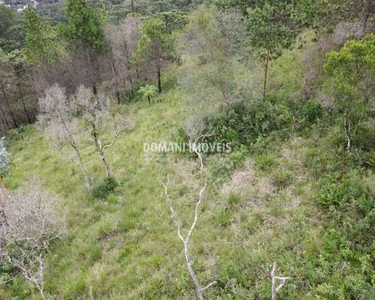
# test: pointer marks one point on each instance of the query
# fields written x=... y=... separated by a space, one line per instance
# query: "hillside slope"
x=126 y=247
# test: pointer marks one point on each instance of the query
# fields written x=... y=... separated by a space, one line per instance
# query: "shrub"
x=105 y=187
x=330 y=194
x=311 y=111
x=242 y=123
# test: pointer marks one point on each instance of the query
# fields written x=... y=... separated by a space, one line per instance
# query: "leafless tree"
x=97 y=112
x=186 y=240
x=28 y=225
x=123 y=39
x=57 y=119
x=277 y=281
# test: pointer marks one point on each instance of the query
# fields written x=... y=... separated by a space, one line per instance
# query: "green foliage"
x=311 y=111
x=282 y=178
x=352 y=70
x=105 y=187
x=233 y=199
x=41 y=44
x=84 y=25
x=148 y=92
x=242 y=124
x=266 y=161
x=155 y=42
x=330 y=193
x=224 y=218
x=268 y=28
x=11 y=31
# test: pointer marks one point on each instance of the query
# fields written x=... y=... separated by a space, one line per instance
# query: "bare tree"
x=186 y=240
x=277 y=282
x=122 y=39
x=97 y=112
x=57 y=119
x=28 y=225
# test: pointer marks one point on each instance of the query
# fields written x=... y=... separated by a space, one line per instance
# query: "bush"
x=105 y=187
x=311 y=111
x=242 y=123
x=330 y=194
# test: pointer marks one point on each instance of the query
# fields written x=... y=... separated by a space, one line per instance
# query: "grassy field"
x=126 y=247
x=257 y=212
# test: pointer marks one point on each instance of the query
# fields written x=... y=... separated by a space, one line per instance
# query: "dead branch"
x=276 y=287
x=186 y=240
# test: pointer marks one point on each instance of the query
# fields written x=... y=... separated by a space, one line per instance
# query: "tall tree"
x=57 y=119
x=97 y=112
x=271 y=30
x=156 y=45
x=85 y=30
x=41 y=43
x=5 y=93
x=8 y=27
x=352 y=71
x=19 y=66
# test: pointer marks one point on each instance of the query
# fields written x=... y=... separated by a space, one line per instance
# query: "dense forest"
x=187 y=149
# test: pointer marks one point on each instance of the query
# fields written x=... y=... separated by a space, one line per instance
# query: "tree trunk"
x=365 y=15
x=100 y=150
x=10 y=109
x=266 y=73
x=131 y=81
x=75 y=148
x=116 y=76
x=83 y=168
x=108 y=170
x=192 y=273
x=132 y=3
x=23 y=101
x=89 y=65
x=118 y=96
x=149 y=100
x=159 y=80
x=347 y=129
x=5 y=121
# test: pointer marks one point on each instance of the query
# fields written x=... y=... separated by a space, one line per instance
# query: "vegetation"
x=273 y=196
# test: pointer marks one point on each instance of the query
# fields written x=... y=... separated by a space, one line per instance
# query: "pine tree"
x=41 y=43
x=155 y=45
x=85 y=30
x=271 y=31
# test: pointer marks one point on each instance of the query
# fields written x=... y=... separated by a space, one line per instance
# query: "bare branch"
x=208 y=285
x=28 y=225
x=276 y=288
x=174 y=218
x=186 y=240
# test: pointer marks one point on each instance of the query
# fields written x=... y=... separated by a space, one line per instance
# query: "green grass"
x=127 y=247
